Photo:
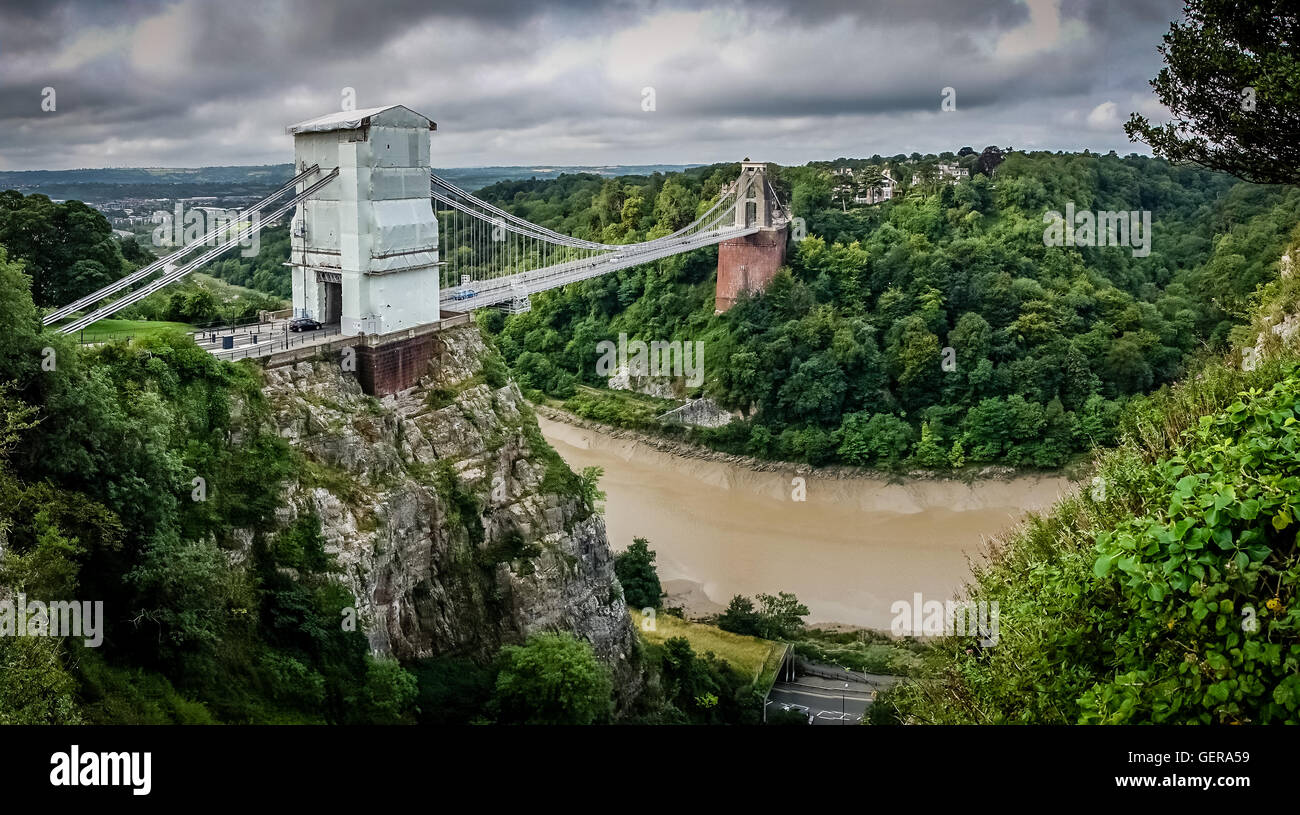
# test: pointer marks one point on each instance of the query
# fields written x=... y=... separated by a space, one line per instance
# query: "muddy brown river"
x=849 y=551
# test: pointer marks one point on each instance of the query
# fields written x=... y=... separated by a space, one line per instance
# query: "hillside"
x=841 y=360
x=1166 y=591
x=275 y=546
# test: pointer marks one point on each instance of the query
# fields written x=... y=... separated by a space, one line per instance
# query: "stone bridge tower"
x=748 y=263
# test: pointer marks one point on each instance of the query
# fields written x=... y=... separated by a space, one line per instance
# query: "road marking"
x=826 y=695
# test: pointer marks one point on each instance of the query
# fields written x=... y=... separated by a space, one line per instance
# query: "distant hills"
x=93 y=185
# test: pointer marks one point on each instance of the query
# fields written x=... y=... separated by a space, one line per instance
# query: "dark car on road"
x=303 y=324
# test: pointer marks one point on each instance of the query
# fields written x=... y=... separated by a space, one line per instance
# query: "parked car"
x=304 y=324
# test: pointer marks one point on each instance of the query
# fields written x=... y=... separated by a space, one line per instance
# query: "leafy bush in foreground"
x=1165 y=592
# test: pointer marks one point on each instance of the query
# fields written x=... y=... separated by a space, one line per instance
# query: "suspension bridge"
x=382 y=247
x=495 y=258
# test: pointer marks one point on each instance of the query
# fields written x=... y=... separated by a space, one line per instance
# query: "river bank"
x=691 y=450
x=849 y=543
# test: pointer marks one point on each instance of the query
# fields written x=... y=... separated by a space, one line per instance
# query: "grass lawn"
x=752 y=656
x=107 y=330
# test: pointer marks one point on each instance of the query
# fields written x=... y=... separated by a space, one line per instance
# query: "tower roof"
x=354 y=119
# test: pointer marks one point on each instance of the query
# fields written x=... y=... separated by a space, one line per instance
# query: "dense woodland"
x=840 y=359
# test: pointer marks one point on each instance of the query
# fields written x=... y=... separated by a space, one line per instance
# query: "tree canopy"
x=1232 y=81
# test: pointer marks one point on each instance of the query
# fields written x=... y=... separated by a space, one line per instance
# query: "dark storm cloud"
x=194 y=82
x=975 y=13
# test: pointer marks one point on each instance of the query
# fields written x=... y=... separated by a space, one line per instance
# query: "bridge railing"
x=278 y=343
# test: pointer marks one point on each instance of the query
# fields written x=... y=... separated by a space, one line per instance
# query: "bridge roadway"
x=502 y=289
x=261 y=339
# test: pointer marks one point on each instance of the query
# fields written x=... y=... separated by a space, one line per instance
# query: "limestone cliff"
x=457 y=527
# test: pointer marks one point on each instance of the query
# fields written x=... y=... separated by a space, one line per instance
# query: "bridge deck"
x=504 y=289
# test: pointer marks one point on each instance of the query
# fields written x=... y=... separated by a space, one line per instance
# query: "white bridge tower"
x=365 y=249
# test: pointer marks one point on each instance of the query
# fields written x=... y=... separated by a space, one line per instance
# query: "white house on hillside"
x=881 y=191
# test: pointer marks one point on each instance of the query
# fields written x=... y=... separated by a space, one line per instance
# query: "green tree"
x=635 y=569
x=553 y=679
x=674 y=206
x=867 y=439
x=687 y=681
x=1232 y=81
x=589 y=488
x=957 y=455
x=387 y=695
x=776 y=617
x=780 y=616
x=67 y=248
x=811 y=193
x=928 y=453
x=739 y=617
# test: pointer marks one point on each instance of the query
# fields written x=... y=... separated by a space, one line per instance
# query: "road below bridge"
x=836 y=697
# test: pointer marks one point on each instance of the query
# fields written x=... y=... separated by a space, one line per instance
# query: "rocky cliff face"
x=457 y=527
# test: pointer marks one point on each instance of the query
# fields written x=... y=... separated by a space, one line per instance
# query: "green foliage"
x=35 y=685
x=553 y=679
x=1166 y=591
x=98 y=460
x=463 y=506
x=512 y=548
x=452 y=690
x=1232 y=81
x=1059 y=338
x=686 y=687
x=67 y=248
x=776 y=617
x=588 y=487
x=202 y=300
x=1216 y=568
x=617 y=408
x=876 y=439
x=928 y=453
x=635 y=569
x=691 y=684
x=386 y=695
x=122 y=695
x=866 y=651
x=495 y=372
x=558 y=478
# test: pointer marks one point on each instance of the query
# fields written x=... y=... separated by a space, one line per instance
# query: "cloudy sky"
x=196 y=82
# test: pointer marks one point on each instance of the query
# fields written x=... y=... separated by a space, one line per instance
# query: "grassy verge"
x=618 y=408
x=109 y=330
x=751 y=656
x=865 y=651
